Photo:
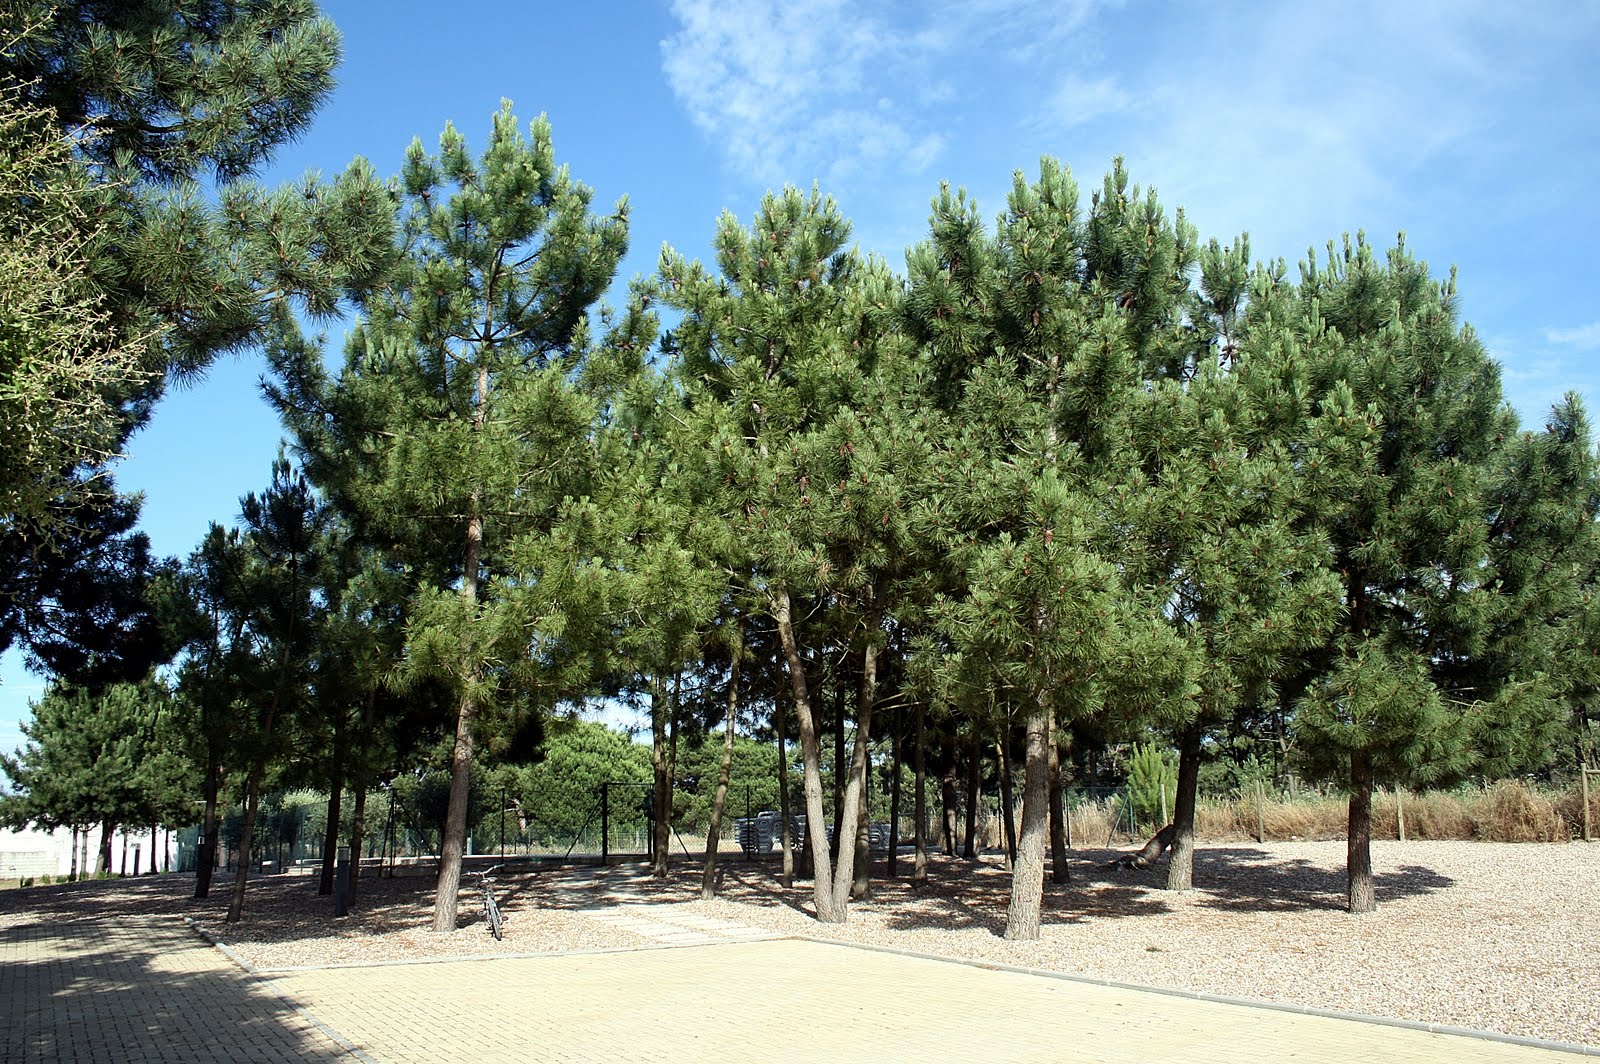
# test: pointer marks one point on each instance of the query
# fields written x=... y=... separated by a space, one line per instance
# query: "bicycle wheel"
x=492 y=911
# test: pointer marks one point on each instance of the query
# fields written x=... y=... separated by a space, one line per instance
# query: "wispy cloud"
x=834 y=88
x=1583 y=337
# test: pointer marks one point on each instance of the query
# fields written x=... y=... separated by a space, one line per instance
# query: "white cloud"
x=833 y=88
x=1078 y=101
x=1583 y=337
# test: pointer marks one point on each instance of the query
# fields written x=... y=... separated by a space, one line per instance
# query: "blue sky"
x=1473 y=126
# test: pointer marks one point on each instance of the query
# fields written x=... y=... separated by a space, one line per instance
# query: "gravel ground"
x=1491 y=936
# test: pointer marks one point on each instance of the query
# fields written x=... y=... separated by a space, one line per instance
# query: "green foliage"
x=563 y=791
x=1152 y=782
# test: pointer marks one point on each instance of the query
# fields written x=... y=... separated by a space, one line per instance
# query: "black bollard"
x=341 y=879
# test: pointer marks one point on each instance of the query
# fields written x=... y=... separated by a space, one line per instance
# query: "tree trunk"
x=840 y=773
x=661 y=790
x=947 y=812
x=1058 y=822
x=1008 y=807
x=453 y=845
x=206 y=853
x=358 y=831
x=969 y=845
x=894 y=794
x=854 y=865
x=330 y=833
x=811 y=760
x=72 y=874
x=1180 y=869
x=155 y=845
x=103 y=861
x=1363 y=899
x=780 y=724
x=1027 y=875
x=708 y=881
x=919 y=871
x=252 y=802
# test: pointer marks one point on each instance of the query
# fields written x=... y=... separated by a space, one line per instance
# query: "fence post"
x=1583 y=771
x=341 y=879
x=1261 y=811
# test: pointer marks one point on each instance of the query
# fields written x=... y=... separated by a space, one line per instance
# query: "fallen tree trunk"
x=1149 y=854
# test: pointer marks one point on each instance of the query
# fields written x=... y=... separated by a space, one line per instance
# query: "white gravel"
x=1499 y=937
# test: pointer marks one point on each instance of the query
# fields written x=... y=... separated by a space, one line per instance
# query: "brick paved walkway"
x=153 y=991
x=141 y=991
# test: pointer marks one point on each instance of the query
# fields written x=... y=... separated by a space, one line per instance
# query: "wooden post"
x=1583 y=771
x=1400 y=811
x=1261 y=811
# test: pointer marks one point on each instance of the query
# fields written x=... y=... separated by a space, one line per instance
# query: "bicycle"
x=491 y=908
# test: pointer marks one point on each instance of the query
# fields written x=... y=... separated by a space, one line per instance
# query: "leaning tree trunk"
x=1058 y=821
x=358 y=831
x=1363 y=899
x=1180 y=869
x=453 y=845
x=1027 y=874
x=708 y=881
x=811 y=760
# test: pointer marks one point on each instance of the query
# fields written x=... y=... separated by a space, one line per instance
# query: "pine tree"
x=1407 y=532
x=458 y=436
x=781 y=351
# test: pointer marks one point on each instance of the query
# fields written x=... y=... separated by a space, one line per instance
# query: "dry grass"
x=1508 y=811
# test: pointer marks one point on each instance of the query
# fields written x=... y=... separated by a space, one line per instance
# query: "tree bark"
x=1362 y=896
x=708 y=880
x=840 y=773
x=72 y=874
x=241 y=873
x=661 y=789
x=947 y=812
x=969 y=845
x=894 y=794
x=1027 y=875
x=919 y=871
x=780 y=724
x=1180 y=868
x=811 y=761
x=1059 y=873
x=206 y=855
x=853 y=866
x=1008 y=807
x=330 y=831
x=103 y=860
x=358 y=832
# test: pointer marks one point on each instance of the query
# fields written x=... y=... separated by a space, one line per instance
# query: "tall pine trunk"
x=453 y=846
x=1027 y=873
x=1008 y=801
x=1180 y=867
x=855 y=797
x=811 y=761
x=840 y=774
x=206 y=854
x=247 y=834
x=358 y=831
x=708 y=880
x=72 y=874
x=103 y=860
x=947 y=812
x=1058 y=821
x=919 y=871
x=1363 y=898
x=969 y=844
x=661 y=779
x=894 y=794
x=780 y=724
x=330 y=833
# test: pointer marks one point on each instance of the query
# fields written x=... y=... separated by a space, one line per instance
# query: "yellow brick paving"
x=800 y=1000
